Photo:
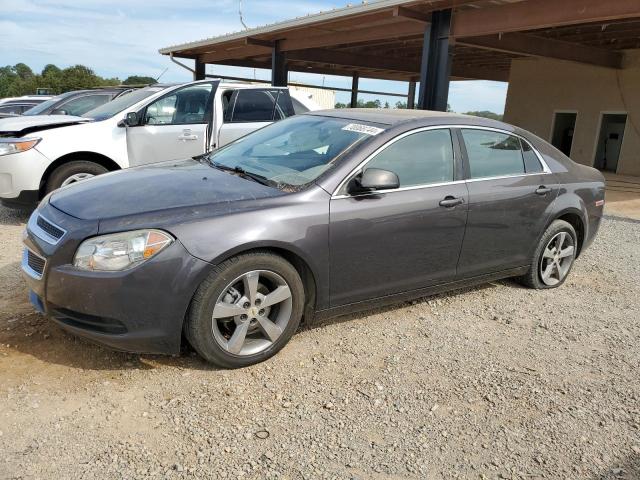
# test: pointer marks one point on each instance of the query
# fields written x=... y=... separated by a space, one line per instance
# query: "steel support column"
x=278 y=66
x=411 y=95
x=198 y=72
x=436 y=63
x=354 y=90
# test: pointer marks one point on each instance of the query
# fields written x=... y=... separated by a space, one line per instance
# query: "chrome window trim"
x=34 y=228
x=25 y=264
x=402 y=189
x=545 y=167
x=384 y=147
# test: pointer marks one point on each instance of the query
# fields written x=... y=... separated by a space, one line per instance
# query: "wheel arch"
x=98 y=158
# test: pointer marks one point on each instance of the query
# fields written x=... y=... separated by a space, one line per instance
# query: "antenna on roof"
x=163 y=72
x=241 y=17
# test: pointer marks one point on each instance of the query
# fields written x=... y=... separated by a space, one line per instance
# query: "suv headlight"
x=17 y=145
x=120 y=251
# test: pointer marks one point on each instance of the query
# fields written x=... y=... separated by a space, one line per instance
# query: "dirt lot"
x=492 y=382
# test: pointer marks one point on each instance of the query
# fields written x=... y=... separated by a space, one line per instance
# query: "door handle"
x=186 y=137
x=542 y=190
x=450 y=201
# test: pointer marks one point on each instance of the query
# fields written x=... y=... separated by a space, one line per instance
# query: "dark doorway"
x=564 y=124
x=610 y=141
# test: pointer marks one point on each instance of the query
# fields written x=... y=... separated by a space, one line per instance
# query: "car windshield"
x=116 y=106
x=38 y=109
x=293 y=152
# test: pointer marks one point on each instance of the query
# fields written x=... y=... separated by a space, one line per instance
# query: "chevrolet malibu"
x=314 y=216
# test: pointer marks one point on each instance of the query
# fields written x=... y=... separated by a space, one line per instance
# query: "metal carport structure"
x=429 y=42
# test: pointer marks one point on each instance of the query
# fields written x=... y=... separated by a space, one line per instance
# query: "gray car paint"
x=354 y=253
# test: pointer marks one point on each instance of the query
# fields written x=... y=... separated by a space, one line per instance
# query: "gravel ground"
x=491 y=382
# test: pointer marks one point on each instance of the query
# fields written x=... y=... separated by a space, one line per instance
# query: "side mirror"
x=378 y=179
x=59 y=111
x=131 y=119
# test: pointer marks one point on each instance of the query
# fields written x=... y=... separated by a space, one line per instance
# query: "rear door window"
x=493 y=154
x=284 y=107
x=254 y=105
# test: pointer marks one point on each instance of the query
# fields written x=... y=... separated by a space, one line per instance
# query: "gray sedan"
x=314 y=216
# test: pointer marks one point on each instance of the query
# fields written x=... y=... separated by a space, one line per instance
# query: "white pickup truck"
x=39 y=154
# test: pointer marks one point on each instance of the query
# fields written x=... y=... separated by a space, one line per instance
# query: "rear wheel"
x=246 y=310
x=554 y=257
x=73 y=172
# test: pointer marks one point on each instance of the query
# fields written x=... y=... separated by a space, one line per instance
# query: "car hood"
x=159 y=187
x=24 y=124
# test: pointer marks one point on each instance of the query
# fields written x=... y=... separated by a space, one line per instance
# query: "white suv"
x=39 y=154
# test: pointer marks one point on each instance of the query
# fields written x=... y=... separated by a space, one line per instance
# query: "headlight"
x=120 y=251
x=17 y=145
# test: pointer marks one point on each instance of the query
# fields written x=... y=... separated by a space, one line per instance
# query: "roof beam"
x=523 y=44
x=229 y=53
x=357 y=60
x=411 y=14
x=394 y=30
x=530 y=15
x=257 y=41
x=336 y=57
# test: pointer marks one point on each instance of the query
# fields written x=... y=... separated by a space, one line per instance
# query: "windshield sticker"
x=366 y=129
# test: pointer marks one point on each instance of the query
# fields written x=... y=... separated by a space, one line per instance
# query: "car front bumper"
x=138 y=310
x=19 y=173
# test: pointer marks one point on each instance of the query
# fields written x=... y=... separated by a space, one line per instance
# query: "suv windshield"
x=116 y=106
x=38 y=109
x=293 y=152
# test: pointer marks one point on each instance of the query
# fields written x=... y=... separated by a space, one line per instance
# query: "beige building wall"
x=539 y=87
x=324 y=98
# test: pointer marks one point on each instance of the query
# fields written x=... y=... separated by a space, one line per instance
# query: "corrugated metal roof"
x=365 y=7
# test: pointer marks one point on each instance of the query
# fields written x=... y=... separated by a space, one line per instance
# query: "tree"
x=486 y=114
x=21 y=80
x=23 y=71
x=50 y=70
x=138 y=80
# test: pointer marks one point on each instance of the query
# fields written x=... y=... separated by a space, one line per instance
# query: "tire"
x=248 y=336
x=537 y=276
x=65 y=173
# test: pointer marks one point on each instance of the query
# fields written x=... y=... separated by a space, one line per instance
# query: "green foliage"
x=138 y=80
x=486 y=114
x=20 y=80
x=362 y=104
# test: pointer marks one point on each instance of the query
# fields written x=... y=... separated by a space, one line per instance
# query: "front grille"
x=35 y=262
x=49 y=228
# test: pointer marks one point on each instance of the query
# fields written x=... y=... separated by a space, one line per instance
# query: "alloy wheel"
x=557 y=259
x=78 y=177
x=252 y=312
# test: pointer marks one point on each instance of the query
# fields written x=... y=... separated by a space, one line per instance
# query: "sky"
x=118 y=38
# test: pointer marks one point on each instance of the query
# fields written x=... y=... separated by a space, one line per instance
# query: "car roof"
x=396 y=116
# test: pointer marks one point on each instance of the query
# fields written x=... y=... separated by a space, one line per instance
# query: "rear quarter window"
x=531 y=162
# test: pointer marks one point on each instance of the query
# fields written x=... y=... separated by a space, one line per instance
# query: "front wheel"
x=73 y=172
x=246 y=310
x=553 y=258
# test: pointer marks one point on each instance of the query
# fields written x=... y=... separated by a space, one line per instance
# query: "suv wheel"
x=73 y=172
x=246 y=310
